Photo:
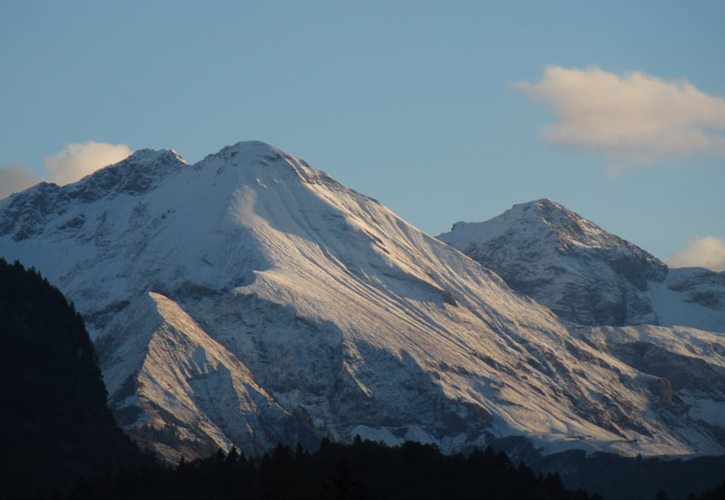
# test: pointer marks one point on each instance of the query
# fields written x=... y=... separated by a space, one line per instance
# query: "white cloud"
x=14 y=178
x=69 y=165
x=706 y=252
x=76 y=161
x=635 y=117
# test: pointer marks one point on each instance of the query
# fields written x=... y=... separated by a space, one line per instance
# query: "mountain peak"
x=545 y=250
x=252 y=145
x=542 y=204
x=155 y=156
x=545 y=210
x=541 y=219
x=244 y=151
x=139 y=173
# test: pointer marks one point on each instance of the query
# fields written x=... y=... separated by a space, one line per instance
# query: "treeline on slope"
x=54 y=424
x=363 y=469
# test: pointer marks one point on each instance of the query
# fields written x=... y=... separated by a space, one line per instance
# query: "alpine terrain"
x=250 y=299
x=586 y=275
x=613 y=295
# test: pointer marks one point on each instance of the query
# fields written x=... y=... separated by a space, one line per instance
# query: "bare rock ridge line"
x=249 y=299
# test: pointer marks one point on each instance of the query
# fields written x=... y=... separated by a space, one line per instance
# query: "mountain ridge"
x=301 y=309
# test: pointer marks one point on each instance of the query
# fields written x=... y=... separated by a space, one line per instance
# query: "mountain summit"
x=250 y=299
x=587 y=275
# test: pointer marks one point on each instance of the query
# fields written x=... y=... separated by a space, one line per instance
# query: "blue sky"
x=413 y=103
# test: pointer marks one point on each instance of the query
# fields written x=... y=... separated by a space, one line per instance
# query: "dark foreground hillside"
x=54 y=424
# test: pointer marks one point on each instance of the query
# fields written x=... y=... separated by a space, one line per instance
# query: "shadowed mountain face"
x=250 y=299
x=586 y=275
x=55 y=425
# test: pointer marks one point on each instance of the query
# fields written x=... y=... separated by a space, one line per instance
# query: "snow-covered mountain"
x=587 y=275
x=251 y=299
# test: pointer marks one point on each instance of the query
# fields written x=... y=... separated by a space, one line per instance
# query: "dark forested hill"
x=54 y=424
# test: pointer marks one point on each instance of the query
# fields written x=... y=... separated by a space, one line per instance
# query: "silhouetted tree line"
x=363 y=469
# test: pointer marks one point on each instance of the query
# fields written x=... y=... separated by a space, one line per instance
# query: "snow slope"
x=251 y=299
x=586 y=275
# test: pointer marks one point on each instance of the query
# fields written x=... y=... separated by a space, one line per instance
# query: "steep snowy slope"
x=161 y=367
x=586 y=275
x=250 y=299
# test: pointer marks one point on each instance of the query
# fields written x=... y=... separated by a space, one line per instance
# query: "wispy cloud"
x=14 y=178
x=76 y=161
x=72 y=163
x=634 y=117
x=706 y=252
